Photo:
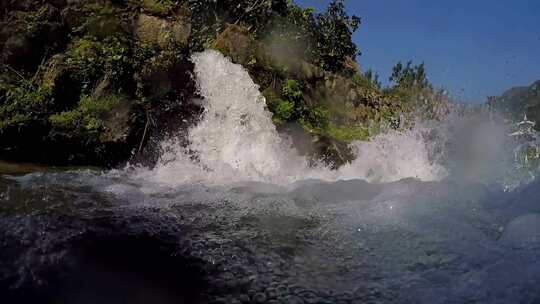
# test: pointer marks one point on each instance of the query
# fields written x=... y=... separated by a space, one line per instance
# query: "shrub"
x=284 y=111
x=91 y=59
x=291 y=91
x=88 y=116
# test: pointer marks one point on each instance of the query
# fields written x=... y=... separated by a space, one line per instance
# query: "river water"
x=436 y=214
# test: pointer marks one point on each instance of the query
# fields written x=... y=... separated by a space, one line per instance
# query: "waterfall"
x=236 y=141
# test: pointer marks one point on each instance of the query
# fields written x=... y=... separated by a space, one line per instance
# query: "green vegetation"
x=348 y=134
x=88 y=116
x=322 y=39
x=410 y=83
x=291 y=91
x=90 y=59
x=410 y=76
x=368 y=80
x=21 y=105
x=284 y=111
x=333 y=32
x=291 y=106
x=90 y=81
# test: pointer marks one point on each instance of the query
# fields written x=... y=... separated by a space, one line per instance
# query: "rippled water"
x=239 y=217
x=80 y=238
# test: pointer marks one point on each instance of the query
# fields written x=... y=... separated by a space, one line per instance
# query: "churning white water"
x=236 y=141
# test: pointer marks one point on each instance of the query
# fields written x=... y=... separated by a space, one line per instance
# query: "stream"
x=433 y=214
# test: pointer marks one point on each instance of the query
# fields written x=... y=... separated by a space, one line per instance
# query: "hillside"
x=518 y=101
x=101 y=82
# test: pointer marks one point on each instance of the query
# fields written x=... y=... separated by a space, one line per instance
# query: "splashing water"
x=393 y=156
x=236 y=141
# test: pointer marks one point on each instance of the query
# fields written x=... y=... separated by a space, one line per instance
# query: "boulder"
x=237 y=43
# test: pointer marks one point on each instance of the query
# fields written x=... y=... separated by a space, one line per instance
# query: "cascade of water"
x=236 y=141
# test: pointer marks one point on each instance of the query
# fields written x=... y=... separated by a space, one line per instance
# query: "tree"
x=410 y=76
x=211 y=16
x=333 y=30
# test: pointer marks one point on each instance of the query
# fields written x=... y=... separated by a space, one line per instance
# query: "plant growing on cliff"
x=410 y=83
x=291 y=91
x=91 y=59
x=410 y=76
x=323 y=39
x=414 y=93
x=87 y=117
x=212 y=16
x=22 y=104
x=289 y=105
x=368 y=80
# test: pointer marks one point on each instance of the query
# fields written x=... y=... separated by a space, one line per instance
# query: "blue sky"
x=474 y=48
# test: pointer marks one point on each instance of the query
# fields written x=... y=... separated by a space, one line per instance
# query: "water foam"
x=392 y=156
x=236 y=141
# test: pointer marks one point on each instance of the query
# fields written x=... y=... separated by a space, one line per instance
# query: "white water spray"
x=236 y=141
